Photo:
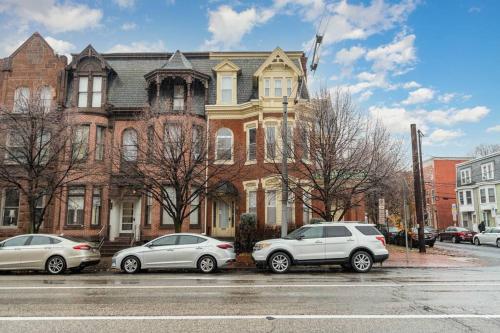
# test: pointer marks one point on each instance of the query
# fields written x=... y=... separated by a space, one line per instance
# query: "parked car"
x=489 y=236
x=182 y=250
x=457 y=235
x=429 y=238
x=352 y=245
x=54 y=254
x=390 y=234
x=434 y=232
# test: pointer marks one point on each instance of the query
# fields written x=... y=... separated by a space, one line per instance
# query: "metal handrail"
x=132 y=240
x=101 y=238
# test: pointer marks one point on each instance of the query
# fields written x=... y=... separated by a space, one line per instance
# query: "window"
x=271 y=207
x=46 y=98
x=368 y=230
x=169 y=194
x=99 y=142
x=151 y=135
x=39 y=205
x=129 y=145
x=81 y=142
x=487 y=171
x=188 y=240
x=17 y=241
x=482 y=195
x=267 y=87
x=42 y=149
x=461 y=197
x=83 y=86
x=14 y=150
x=148 y=208
x=310 y=232
x=224 y=144
x=194 y=217
x=96 y=206
x=10 y=207
x=96 y=91
x=227 y=90
x=491 y=195
x=76 y=205
x=40 y=240
x=337 y=231
x=173 y=140
x=164 y=241
x=271 y=142
x=468 y=197
x=252 y=202
x=289 y=87
x=197 y=141
x=465 y=176
x=289 y=140
x=252 y=144
x=277 y=88
x=21 y=98
x=178 y=97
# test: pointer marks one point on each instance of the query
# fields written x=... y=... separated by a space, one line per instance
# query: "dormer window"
x=227 y=90
x=96 y=91
x=83 y=91
x=178 y=97
x=267 y=87
x=83 y=87
x=277 y=88
x=289 y=87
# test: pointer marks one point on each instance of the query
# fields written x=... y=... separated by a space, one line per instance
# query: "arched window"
x=21 y=98
x=224 y=144
x=129 y=145
x=46 y=97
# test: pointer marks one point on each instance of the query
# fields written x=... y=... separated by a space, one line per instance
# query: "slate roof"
x=127 y=87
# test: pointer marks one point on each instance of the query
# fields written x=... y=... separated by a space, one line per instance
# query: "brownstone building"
x=236 y=97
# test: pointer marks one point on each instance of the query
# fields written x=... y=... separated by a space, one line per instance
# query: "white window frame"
x=278 y=93
x=289 y=86
x=487 y=171
x=83 y=91
x=267 y=87
x=178 y=97
x=21 y=98
x=226 y=94
x=465 y=176
x=219 y=137
x=97 y=82
x=96 y=206
x=471 y=197
x=271 y=194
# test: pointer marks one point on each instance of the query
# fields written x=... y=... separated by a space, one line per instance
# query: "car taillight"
x=461 y=234
x=84 y=247
x=382 y=239
x=225 y=246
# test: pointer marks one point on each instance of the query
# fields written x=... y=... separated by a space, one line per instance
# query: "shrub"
x=247 y=233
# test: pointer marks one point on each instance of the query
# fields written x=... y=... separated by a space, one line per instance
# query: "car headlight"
x=261 y=245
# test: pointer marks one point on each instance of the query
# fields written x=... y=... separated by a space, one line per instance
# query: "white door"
x=127 y=217
x=310 y=244
x=338 y=242
x=160 y=253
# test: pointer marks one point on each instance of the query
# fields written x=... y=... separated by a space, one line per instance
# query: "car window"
x=496 y=230
x=18 y=241
x=164 y=241
x=337 y=231
x=188 y=239
x=367 y=230
x=40 y=240
x=306 y=233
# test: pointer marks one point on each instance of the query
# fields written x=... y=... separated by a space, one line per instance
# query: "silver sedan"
x=181 y=250
x=53 y=254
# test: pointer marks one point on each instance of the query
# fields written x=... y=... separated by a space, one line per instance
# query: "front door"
x=127 y=220
x=160 y=253
x=224 y=219
x=10 y=252
x=310 y=245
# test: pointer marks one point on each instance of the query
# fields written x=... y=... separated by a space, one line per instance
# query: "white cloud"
x=365 y=96
x=397 y=119
x=418 y=96
x=447 y=98
x=309 y=9
x=347 y=57
x=411 y=85
x=61 y=46
x=125 y=3
x=368 y=80
x=493 y=129
x=453 y=116
x=395 y=57
x=228 y=26
x=54 y=16
x=140 y=46
x=439 y=136
x=128 y=26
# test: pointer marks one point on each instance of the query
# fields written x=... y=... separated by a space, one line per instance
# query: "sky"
x=435 y=63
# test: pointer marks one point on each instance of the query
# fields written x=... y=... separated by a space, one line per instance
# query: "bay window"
x=169 y=201
x=96 y=91
x=277 y=88
x=83 y=86
x=80 y=143
x=129 y=145
x=99 y=143
x=252 y=144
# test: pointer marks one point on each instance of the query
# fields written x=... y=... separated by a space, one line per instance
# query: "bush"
x=247 y=232
x=270 y=232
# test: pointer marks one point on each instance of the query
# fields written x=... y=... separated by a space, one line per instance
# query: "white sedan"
x=182 y=250
x=489 y=236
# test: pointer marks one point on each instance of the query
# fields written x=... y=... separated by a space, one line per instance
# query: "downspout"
x=206 y=175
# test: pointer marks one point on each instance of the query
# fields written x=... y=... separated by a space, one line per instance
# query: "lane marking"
x=255 y=286
x=250 y=317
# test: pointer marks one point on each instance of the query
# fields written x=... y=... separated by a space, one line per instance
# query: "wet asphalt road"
x=326 y=300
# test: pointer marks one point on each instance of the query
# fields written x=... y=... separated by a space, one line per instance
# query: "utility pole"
x=422 y=178
x=405 y=217
x=284 y=170
x=417 y=183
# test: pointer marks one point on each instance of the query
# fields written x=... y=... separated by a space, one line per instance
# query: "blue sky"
x=436 y=63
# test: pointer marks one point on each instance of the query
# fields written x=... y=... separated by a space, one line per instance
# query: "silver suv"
x=354 y=246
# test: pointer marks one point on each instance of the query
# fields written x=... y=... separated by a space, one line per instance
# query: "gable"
x=226 y=66
x=33 y=51
x=278 y=59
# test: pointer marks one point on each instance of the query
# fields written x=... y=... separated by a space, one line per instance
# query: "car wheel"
x=431 y=244
x=131 y=265
x=454 y=240
x=477 y=242
x=55 y=265
x=279 y=262
x=440 y=238
x=361 y=262
x=498 y=242
x=207 y=264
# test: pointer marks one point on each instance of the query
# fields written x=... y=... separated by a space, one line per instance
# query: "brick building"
x=439 y=177
x=236 y=97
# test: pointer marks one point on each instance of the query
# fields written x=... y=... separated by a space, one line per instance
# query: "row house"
x=440 y=195
x=235 y=97
x=478 y=191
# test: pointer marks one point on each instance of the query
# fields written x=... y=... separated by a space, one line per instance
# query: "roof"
x=495 y=154
x=177 y=61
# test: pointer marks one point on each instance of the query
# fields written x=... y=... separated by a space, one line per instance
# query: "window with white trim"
x=271 y=142
x=76 y=205
x=96 y=91
x=252 y=201
x=224 y=144
x=252 y=144
x=129 y=145
x=83 y=87
x=465 y=177
x=277 y=88
x=487 y=171
x=271 y=207
x=21 y=99
x=267 y=87
x=80 y=143
x=46 y=98
x=487 y=195
x=288 y=87
x=227 y=90
x=96 y=206
x=179 y=97
x=461 y=197
x=10 y=204
x=468 y=197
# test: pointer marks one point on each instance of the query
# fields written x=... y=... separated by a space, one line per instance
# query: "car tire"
x=454 y=240
x=440 y=238
x=280 y=262
x=498 y=242
x=431 y=244
x=55 y=265
x=361 y=262
x=207 y=264
x=131 y=265
x=477 y=242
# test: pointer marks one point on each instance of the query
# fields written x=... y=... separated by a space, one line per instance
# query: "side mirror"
x=301 y=237
x=149 y=245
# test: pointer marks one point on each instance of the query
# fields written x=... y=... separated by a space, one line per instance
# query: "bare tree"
x=35 y=140
x=339 y=155
x=173 y=161
x=485 y=149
